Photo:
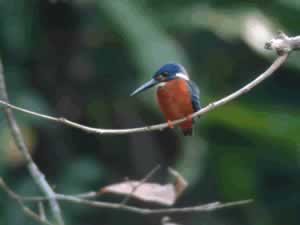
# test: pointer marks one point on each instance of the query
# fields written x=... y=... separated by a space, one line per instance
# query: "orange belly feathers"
x=174 y=100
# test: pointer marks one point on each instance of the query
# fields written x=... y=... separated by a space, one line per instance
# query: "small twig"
x=143 y=181
x=37 y=175
x=42 y=211
x=11 y=193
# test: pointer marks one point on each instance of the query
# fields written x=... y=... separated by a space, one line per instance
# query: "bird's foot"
x=189 y=118
x=170 y=124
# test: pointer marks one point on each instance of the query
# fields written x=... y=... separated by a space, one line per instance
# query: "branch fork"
x=283 y=44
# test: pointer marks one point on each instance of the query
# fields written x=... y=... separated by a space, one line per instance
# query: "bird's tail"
x=187 y=127
x=187 y=131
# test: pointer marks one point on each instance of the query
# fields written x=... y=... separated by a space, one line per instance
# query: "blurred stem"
x=37 y=175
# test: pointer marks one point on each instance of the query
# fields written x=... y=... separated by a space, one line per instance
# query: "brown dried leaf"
x=150 y=192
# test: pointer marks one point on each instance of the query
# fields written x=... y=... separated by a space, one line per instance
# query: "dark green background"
x=81 y=59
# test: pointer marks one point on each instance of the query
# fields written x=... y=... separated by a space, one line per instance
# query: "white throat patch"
x=161 y=84
x=183 y=76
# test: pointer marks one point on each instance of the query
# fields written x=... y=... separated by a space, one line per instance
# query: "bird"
x=176 y=95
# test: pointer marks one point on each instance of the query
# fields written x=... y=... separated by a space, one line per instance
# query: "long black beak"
x=145 y=86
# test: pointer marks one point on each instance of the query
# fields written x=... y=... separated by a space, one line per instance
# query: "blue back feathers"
x=195 y=95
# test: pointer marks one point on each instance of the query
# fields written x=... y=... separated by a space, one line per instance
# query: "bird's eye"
x=160 y=77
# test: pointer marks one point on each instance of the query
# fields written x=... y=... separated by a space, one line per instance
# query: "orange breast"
x=174 y=100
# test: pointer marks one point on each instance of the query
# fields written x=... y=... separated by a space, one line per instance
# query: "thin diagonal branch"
x=276 y=64
x=36 y=174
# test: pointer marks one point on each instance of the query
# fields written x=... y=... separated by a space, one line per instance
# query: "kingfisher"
x=176 y=95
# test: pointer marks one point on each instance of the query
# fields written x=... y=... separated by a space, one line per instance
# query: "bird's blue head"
x=165 y=73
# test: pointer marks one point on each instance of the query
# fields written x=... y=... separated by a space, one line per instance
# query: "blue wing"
x=195 y=95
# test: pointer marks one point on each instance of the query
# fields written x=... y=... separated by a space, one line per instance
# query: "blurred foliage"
x=81 y=59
